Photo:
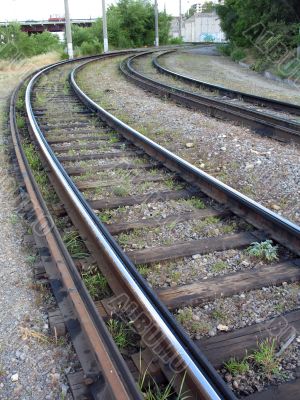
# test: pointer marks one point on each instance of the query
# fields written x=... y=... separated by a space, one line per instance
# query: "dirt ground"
x=32 y=366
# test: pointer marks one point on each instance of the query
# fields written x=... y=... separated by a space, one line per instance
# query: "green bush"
x=238 y=54
x=288 y=70
x=268 y=29
x=260 y=65
x=224 y=49
x=90 y=48
x=130 y=24
x=16 y=44
x=177 y=40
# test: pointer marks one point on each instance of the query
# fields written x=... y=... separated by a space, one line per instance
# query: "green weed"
x=153 y=391
x=124 y=239
x=74 y=244
x=105 y=216
x=20 y=103
x=195 y=202
x=263 y=250
x=20 y=122
x=31 y=259
x=185 y=315
x=119 y=332
x=172 y=185
x=219 y=266
x=201 y=225
x=235 y=367
x=14 y=219
x=113 y=140
x=32 y=157
x=143 y=270
x=230 y=228
x=66 y=87
x=121 y=191
x=175 y=276
x=96 y=284
x=265 y=357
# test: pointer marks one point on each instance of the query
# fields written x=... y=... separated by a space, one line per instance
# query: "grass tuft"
x=219 y=266
x=143 y=270
x=153 y=391
x=20 y=122
x=121 y=191
x=96 y=284
x=235 y=367
x=119 y=332
x=74 y=244
x=195 y=202
x=32 y=157
x=265 y=357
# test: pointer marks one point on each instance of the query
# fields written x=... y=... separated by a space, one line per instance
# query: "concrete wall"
x=174 y=29
x=199 y=28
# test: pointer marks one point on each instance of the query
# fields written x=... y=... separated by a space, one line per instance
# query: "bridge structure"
x=54 y=25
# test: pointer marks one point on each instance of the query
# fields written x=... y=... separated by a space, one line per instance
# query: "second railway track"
x=160 y=209
x=272 y=124
x=281 y=106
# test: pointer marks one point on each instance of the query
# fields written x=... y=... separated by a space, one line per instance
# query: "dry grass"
x=11 y=72
x=28 y=64
x=27 y=334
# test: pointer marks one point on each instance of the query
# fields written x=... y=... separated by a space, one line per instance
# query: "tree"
x=130 y=23
x=190 y=12
x=208 y=7
x=243 y=21
x=17 y=44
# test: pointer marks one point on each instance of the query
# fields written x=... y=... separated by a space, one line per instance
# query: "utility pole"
x=180 y=20
x=156 y=24
x=68 y=31
x=104 y=23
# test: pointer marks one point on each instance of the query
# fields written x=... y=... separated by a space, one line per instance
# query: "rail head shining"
x=208 y=390
x=281 y=229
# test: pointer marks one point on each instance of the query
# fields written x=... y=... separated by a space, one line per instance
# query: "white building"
x=198 y=6
x=201 y=27
x=174 y=29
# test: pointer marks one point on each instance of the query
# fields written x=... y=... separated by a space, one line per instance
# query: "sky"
x=22 y=10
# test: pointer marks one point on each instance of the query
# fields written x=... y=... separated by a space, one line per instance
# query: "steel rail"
x=224 y=91
x=113 y=379
x=200 y=374
x=280 y=229
x=264 y=124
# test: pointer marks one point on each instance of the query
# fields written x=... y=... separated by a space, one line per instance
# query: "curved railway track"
x=266 y=124
x=223 y=91
x=100 y=166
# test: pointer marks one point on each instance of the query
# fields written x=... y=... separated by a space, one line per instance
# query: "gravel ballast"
x=32 y=364
x=262 y=168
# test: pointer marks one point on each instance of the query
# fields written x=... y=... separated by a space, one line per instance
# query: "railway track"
x=281 y=127
x=126 y=196
x=223 y=91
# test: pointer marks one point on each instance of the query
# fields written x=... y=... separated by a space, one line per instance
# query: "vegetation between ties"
x=74 y=244
x=153 y=391
x=96 y=284
x=263 y=358
x=263 y=250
